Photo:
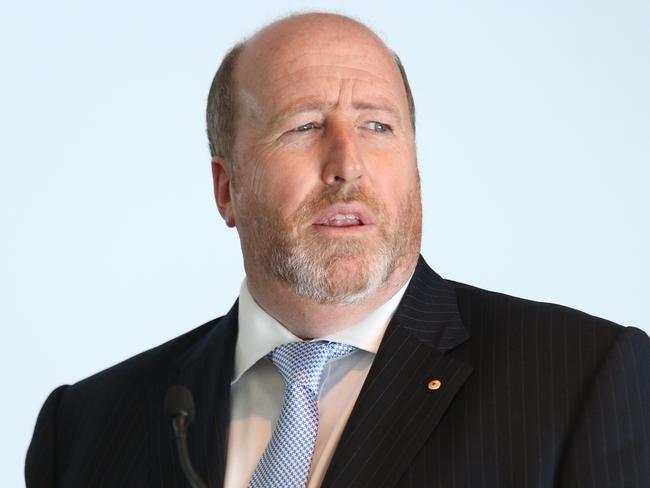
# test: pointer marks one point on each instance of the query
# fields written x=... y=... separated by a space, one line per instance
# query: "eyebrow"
x=302 y=105
x=381 y=105
x=313 y=104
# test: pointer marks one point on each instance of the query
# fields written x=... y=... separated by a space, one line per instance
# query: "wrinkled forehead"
x=294 y=50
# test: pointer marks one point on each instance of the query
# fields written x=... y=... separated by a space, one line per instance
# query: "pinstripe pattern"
x=533 y=395
x=110 y=429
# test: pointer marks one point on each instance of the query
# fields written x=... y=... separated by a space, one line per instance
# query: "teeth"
x=344 y=216
x=341 y=219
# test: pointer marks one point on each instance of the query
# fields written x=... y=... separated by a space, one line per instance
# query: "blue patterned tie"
x=286 y=459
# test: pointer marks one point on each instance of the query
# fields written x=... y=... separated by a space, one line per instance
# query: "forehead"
x=312 y=59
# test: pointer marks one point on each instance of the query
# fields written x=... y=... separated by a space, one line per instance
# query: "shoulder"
x=153 y=361
x=131 y=378
x=487 y=312
x=542 y=342
x=79 y=422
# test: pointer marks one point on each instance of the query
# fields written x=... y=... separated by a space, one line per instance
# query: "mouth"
x=343 y=217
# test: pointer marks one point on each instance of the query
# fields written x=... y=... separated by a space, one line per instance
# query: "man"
x=421 y=381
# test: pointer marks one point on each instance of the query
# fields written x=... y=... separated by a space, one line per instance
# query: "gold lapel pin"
x=434 y=385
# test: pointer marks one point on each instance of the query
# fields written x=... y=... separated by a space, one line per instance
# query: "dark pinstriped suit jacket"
x=532 y=395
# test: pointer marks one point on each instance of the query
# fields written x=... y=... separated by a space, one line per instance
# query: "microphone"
x=179 y=408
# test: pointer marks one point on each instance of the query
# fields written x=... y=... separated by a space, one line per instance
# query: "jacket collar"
x=429 y=310
x=397 y=409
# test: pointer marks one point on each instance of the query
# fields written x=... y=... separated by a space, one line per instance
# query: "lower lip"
x=347 y=229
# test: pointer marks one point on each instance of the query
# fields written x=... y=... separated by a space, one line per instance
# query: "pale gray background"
x=533 y=140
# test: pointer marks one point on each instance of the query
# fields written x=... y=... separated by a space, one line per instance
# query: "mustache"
x=321 y=198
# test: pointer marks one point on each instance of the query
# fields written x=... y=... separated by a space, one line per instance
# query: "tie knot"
x=303 y=362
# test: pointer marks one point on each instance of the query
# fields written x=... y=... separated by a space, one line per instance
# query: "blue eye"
x=378 y=126
x=304 y=127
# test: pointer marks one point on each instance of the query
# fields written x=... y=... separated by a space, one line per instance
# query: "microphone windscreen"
x=179 y=401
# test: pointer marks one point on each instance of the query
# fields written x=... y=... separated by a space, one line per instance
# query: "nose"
x=343 y=161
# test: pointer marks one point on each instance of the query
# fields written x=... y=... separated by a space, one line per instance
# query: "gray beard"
x=307 y=264
x=307 y=270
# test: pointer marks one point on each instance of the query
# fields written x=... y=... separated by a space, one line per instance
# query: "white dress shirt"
x=257 y=387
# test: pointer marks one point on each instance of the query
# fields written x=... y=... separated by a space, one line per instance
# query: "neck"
x=306 y=318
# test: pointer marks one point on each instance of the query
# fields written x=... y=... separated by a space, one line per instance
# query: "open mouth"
x=342 y=220
x=344 y=216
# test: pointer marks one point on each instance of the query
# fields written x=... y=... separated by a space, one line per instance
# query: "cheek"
x=394 y=176
x=396 y=187
x=280 y=192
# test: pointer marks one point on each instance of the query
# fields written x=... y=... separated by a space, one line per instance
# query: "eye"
x=305 y=127
x=378 y=126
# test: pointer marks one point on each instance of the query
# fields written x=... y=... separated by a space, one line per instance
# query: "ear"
x=221 y=178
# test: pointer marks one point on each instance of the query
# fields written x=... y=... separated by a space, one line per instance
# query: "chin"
x=348 y=274
x=349 y=280
x=342 y=266
x=334 y=271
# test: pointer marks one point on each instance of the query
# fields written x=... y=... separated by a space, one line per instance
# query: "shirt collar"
x=259 y=333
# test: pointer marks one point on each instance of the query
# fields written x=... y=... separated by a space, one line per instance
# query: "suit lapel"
x=206 y=369
x=396 y=411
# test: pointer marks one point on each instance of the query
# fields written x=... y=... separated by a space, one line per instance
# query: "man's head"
x=311 y=126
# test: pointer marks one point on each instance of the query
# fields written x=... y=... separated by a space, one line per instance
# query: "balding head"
x=252 y=61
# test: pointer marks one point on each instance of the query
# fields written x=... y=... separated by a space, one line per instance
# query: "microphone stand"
x=179 y=424
x=179 y=408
